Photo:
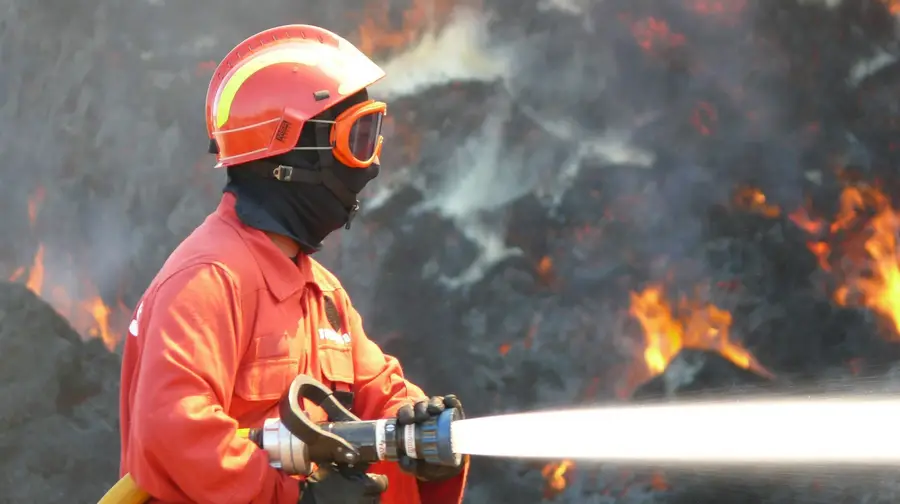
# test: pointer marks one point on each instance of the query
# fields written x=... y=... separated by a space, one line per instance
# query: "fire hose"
x=294 y=442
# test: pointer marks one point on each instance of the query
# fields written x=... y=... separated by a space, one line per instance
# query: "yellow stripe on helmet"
x=301 y=54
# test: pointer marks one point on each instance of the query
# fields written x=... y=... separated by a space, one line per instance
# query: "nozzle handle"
x=324 y=447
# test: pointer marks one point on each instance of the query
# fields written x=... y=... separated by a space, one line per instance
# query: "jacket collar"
x=283 y=277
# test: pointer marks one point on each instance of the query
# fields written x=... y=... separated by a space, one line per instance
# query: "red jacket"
x=220 y=333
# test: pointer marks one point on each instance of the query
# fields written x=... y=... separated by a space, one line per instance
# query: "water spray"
x=840 y=430
x=736 y=432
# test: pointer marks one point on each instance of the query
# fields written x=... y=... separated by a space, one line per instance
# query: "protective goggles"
x=355 y=136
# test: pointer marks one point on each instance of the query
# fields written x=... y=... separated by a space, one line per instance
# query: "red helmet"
x=271 y=84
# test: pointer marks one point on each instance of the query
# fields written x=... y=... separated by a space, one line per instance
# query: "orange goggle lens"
x=356 y=134
x=365 y=136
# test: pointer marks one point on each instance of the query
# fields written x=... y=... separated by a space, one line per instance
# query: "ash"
x=548 y=161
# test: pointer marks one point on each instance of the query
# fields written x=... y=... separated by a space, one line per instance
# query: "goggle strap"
x=323 y=138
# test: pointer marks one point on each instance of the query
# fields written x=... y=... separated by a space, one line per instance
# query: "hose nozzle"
x=294 y=442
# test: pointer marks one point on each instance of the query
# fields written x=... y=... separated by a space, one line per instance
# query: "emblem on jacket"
x=332 y=314
x=335 y=334
x=334 y=337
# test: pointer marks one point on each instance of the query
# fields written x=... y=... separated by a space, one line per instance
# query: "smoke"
x=456 y=52
x=609 y=148
x=868 y=67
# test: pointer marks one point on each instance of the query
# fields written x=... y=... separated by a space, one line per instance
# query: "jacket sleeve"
x=185 y=447
x=381 y=390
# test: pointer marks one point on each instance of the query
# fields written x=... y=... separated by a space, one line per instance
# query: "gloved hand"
x=342 y=486
x=418 y=413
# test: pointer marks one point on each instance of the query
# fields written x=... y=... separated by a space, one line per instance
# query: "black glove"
x=342 y=486
x=418 y=413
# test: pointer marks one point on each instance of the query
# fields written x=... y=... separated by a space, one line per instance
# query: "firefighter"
x=240 y=308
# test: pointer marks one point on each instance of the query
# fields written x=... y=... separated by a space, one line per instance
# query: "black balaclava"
x=309 y=210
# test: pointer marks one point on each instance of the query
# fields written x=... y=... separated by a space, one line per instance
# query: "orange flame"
x=100 y=313
x=35 y=280
x=696 y=326
x=546 y=272
x=861 y=250
x=377 y=32
x=654 y=35
x=545 y=266
x=753 y=200
x=717 y=7
x=555 y=474
x=802 y=219
x=17 y=274
x=90 y=318
x=34 y=204
x=658 y=482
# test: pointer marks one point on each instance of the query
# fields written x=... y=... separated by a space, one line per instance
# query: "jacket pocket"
x=267 y=369
x=337 y=366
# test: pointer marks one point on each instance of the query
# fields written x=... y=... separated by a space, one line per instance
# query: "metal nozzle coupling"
x=286 y=451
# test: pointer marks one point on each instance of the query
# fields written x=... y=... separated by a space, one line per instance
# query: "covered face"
x=321 y=193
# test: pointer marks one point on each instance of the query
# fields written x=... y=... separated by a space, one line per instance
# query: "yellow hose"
x=126 y=491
